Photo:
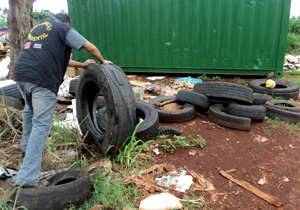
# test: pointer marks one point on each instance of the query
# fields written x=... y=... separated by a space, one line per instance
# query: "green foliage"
x=216 y=78
x=239 y=80
x=204 y=77
x=272 y=126
x=61 y=137
x=293 y=43
x=131 y=151
x=3 y=17
x=294 y=25
x=170 y=145
x=41 y=15
x=4 y=204
x=194 y=202
x=111 y=193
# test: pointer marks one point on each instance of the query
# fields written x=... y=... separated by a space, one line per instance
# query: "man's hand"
x=88 y=62
x=107 y=62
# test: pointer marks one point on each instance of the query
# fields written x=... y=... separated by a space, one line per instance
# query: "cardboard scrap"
x=270 y=199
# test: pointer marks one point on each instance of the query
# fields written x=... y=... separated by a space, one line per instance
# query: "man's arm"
x=73 y=63
x=93 y=50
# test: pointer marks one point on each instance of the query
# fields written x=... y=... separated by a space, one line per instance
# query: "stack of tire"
x=285 y=110
x=228 y=104
x=11 y=96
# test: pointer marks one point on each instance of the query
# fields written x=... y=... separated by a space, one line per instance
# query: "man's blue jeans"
x=37 y=121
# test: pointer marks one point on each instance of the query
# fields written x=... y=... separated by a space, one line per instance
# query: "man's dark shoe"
x=40 y=184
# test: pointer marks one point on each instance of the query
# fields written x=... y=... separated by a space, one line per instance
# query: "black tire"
x=12 y=91
x=147 y=129
x=261 y=99
x=217 y=115
x=73 y=86
x=283 y=88
x=69 y=187
x=200 y=101
x=169 y=130
x=223 y=91
x=284 y=104
x=121 y=110
x=282 y=114
x=12 y=102
x=101 y=102
x=187 y=112
x=254 y=112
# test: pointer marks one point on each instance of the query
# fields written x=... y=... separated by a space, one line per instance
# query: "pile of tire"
x=284 y=110
x=230 y=105
x=11 y=96
x=285 y=89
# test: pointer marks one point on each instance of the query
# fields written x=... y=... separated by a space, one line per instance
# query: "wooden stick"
x=270 y=199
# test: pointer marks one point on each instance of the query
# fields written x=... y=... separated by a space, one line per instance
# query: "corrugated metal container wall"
x=186 y=36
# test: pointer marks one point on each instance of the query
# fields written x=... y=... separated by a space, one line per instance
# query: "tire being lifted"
x=120 y=103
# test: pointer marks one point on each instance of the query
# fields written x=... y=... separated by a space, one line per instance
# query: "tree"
x=19 y=24
x=42 y=15
x=3 y=17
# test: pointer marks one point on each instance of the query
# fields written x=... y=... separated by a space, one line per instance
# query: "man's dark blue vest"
x=45 y=56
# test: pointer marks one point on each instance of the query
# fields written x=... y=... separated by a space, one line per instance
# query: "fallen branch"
x=270 y=199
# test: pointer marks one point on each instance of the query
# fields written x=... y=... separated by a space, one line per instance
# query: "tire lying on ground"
x=261 y=99
x=282 y=114
x=200 y=101
x=169 y=130
x=121 y=112
x=283 y=88
x=254 y=112
x=225 y=92
x=69 y=187
x=217 y=115
x=186 y=113
x=284 y=104
x=11 y=101
x=12 y=91
x=149 y=126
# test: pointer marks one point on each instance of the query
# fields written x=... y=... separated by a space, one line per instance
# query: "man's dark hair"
x=63 y=18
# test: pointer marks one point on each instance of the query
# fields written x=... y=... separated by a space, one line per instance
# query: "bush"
x=293 y=43
x=294 y=26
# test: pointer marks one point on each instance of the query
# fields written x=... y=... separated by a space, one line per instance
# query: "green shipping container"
x=238 y=37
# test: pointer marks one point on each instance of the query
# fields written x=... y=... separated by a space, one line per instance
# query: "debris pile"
x=291 y=63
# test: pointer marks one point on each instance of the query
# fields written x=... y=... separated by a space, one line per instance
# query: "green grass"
x=273 y=126
x=293 y=76
x=195 y=202
x=239 y=80
x=204 y=77
x=130 y=153
x=111 y=193
x=4 y=204
x=170 y=145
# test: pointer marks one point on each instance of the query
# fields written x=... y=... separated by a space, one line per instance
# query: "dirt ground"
x=264 y=154
x=260 y=154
